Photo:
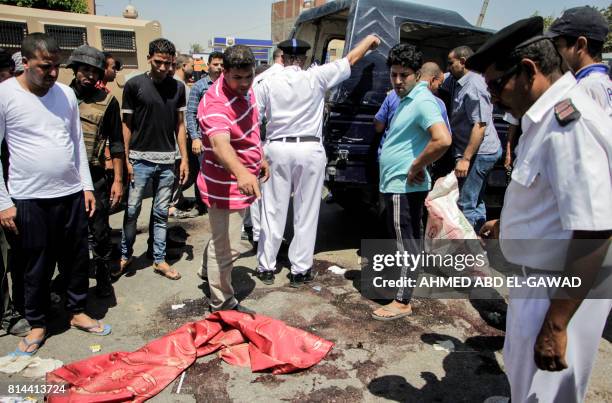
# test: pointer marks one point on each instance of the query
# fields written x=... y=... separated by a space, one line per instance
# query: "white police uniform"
x=561 y=182
x=253 y=218
x=594 y=79
x=293 y=105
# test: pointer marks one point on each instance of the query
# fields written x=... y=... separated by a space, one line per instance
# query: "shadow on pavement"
x=242 y=281
x=475 y=356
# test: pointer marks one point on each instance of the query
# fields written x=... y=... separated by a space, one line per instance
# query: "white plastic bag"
x=445 y=220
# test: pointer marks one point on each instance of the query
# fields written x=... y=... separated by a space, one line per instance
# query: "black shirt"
x=154 y=108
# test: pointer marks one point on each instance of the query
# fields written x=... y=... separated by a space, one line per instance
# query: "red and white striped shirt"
x=222 y=110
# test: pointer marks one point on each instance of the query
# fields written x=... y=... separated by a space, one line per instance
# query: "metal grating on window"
x=68 y=38
x=12 y=33
x=118 y=41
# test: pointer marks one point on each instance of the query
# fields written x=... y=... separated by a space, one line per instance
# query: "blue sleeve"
x=193 y=128
x=478 y=107
x=444 y=113
x=429 y=114
x=383 y=112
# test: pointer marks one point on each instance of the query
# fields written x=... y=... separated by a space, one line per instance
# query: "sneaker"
x=296 y=280
x=182 y=214
x=266 y=277
x=309 y=276
x=20 y=328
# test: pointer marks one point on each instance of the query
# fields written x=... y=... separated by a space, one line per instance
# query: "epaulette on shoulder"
x=566 y=112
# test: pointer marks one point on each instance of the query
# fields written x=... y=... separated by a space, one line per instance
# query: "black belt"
x=301 y=139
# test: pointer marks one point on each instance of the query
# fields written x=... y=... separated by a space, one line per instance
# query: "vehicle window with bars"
x=11 y=34
x=68 y=38
x=122 y=44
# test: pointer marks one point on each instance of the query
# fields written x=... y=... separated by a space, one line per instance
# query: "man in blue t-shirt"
x=416 y=137
x=431 y=73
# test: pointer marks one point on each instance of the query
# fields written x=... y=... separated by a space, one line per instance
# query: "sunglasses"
x=496 y=86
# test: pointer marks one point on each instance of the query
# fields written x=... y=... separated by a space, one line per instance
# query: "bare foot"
x=166 y=270
x=85 y=322
x=34 y=339
x=392 y=310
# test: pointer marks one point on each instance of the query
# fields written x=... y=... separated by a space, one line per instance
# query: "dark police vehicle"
x=349 y=136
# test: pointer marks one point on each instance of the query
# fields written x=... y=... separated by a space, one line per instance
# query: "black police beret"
x=580 y=21
x=503 y=42
x=294 y=46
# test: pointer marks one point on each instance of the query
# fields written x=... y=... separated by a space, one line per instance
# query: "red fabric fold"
x=263 y=343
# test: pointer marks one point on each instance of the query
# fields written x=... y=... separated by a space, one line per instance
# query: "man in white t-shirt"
x=44 y=212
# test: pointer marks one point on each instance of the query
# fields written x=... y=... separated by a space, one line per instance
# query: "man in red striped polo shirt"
x=232 y=163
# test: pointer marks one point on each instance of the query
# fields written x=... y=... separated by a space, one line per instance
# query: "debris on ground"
x=317 y=288
x=445 y=345
x=95 y=348
x=30 y=367
x=178 y=306
x=337 y=270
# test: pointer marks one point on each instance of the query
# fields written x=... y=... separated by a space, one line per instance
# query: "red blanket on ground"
x=263 y=343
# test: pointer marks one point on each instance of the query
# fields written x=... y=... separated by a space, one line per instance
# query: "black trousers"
x=99 y=227
x=404 y=211
x=51 y=231
x=8 y=315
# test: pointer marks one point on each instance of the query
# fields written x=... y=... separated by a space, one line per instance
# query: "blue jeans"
x=472 y=188
x=162 y=176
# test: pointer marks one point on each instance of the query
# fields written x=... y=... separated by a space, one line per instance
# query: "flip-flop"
x=166 y=274
x=121 y=270
x=106 y=330
x=20 y=353
x=398 y=314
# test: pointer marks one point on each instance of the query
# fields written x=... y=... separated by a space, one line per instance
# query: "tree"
x=196 y=48
x=547 y=20
x=607 y=13
x=75 y=6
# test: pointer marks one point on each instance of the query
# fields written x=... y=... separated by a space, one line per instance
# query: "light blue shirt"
x=406 y=139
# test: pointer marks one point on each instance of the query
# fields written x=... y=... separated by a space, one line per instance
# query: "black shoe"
x=20 y=328
x=296 y=280
x=266 y=277
x=309 y=276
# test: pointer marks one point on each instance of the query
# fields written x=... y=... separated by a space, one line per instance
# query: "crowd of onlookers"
x=255 y=142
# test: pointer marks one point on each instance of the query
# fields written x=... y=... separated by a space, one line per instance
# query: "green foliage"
x=75 y=6
x=607 y=12
x=196 y=48
x=547 y=20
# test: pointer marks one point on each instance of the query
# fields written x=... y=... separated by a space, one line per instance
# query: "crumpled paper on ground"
x=30 y=367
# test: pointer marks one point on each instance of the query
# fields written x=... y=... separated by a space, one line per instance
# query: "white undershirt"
x=45 y=141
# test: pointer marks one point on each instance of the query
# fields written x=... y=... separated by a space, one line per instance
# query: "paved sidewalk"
x=444 y=352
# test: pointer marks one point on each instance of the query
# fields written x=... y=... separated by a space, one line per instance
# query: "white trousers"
x=255 y=218
x=523 y=323
x=297 y=168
